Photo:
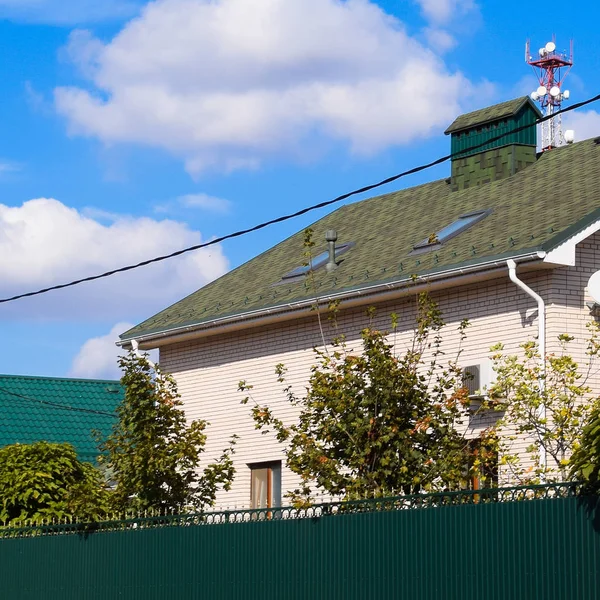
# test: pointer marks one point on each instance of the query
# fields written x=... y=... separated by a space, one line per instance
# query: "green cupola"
x=498 y=159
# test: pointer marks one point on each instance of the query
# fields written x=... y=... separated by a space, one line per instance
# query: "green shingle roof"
x=491 y=113
x=524 y=218
x=33 y=409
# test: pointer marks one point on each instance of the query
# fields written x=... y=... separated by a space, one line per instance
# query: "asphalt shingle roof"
x=525 y=217
x=491 y=113
x=40 y=408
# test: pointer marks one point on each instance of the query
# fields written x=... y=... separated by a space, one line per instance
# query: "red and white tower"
x=551 y=68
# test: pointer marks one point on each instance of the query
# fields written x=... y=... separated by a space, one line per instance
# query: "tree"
x=585 y=462
x=153 y=455
x=373 y=424
x=550 y=406
x=43 y=482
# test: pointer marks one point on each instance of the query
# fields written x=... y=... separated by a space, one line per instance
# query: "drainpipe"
x=136 y=348
x=512 y=273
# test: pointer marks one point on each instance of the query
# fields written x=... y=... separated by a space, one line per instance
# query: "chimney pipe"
x=331 y=237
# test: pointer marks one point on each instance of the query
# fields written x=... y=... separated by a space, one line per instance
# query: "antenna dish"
x=550 y=69
x=566 y=94
x=594 y=287
x=569 y=136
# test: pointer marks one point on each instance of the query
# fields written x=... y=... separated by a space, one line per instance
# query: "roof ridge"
x=72 y=379
x=487 y=114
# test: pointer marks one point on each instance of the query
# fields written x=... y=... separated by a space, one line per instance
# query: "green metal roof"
x=524 y=218
x=58 y=410
x=491 y=113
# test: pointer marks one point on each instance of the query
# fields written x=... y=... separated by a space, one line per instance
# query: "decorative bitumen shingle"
x=491 y=113
x=57 y=410
x=525 y=218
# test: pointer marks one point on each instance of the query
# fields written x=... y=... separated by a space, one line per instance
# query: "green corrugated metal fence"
x=533 y=543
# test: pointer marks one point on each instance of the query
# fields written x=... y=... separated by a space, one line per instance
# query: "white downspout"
x=136 y=348
x=512 y=273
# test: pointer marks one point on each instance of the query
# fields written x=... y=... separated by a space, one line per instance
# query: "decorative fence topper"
x=173 y=518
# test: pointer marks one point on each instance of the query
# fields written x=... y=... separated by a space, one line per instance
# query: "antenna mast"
x=551 y=68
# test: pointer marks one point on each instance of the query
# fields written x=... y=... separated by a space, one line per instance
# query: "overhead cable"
x=58 y=405
x=298 y=213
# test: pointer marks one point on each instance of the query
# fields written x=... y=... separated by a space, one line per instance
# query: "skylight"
x=449 y=231
x=316 y=262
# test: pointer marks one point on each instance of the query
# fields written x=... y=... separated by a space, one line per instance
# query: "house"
x=57 y=410
x=508 y=223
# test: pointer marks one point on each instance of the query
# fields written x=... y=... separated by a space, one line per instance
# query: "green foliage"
x=374 y=424
x=585 y=462
x=43 y=482
x=548 y=405
x=153 y=454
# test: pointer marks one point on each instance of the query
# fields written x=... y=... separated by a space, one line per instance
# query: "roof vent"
x=328 y=259
x=331 y=237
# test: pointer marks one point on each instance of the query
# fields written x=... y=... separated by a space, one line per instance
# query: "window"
x=316 y=262
x=449 y=231
x=265 y=485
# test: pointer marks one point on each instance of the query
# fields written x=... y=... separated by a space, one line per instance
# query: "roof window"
x=316 y=262
x=449 y=231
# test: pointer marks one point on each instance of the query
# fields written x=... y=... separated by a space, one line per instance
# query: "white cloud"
x=226 y=84
x=443 y=11
x=586 y=124
x=196 y=201
x=7 y=167
x=439 y=40
x=43 y=243
x=524 y=86
x=97 y=358
x=36 y=100
x=68 y=12
x=99 y=214
x=206 y=202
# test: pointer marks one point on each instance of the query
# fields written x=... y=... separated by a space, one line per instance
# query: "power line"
x=298 y=213
x=58 y=404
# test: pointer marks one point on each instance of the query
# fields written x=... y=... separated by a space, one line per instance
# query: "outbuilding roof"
x=58 y=410
x=492 y=113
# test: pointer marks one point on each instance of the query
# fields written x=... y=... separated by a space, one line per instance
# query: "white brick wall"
x=208 y=370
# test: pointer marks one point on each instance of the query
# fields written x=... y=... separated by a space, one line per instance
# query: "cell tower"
x=551 y=68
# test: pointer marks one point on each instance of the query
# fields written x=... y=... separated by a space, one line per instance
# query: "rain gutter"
x=377 y=293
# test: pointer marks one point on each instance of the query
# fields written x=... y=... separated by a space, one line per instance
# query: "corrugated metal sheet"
x=58 y=410
x=479 y=136
x=458 y=547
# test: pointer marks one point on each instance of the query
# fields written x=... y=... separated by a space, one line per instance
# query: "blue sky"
x=131 y=129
